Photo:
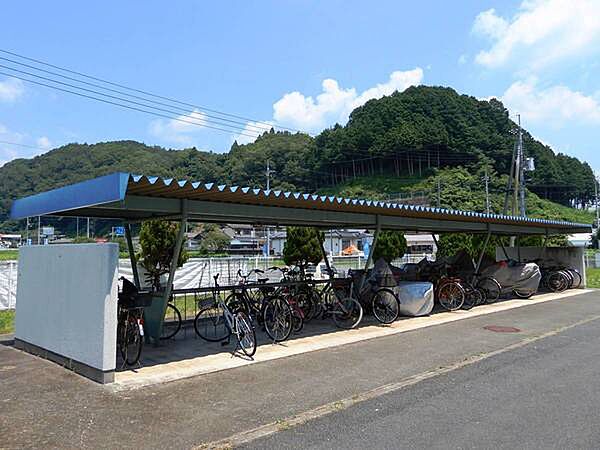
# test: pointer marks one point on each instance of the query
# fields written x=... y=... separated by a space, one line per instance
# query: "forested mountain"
x=409 y=135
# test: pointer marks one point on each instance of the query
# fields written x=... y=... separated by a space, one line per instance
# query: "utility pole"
x=596 y=195
x=269 y=172
x=521 y=171
x=39 y=230
x=439 y=190
x=88 y=227
x=486 y=179
x=27 y=229
x=77 y=226
x=517 y=172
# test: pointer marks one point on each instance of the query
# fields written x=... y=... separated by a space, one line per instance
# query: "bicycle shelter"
x=134 y=198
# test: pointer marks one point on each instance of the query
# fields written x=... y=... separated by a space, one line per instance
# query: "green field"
x=7 y=321
x=9 y=255
x=593 y=278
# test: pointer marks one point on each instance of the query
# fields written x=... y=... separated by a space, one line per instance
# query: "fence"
x=198 y=272
x=8 y=284
x=592 y=259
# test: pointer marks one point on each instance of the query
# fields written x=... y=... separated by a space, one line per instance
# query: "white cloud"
x=334 y=103
x=25 y=146
x=556 y=105
x=462 y=59
x=487 y=23
x=180 y=131
x=251 y=131
x=11 y=89
x=540 y=33
x=44 y=143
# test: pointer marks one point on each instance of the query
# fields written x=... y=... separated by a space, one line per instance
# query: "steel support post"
x=370 y=257
x=176 y=253
x=485 y=244
x=437 y=246
x=136 y=276
x=330 y=272
x=504 y=251
x=544 y=245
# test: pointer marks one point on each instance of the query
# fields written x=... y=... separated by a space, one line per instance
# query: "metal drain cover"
x=501 y=329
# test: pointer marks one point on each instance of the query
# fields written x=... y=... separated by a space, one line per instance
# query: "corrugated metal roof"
x=108 y=195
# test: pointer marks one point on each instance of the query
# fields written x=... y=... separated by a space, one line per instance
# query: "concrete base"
x=180 y=359
x=76 y=366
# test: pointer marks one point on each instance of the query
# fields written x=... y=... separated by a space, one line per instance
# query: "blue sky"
x=301 y=64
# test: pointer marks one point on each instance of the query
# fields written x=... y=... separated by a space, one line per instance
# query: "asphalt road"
x=542 y=395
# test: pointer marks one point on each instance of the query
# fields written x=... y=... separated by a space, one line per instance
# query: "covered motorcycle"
x=523 y=279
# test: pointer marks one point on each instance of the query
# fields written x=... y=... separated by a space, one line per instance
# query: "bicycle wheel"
x=347 y=313
x=297 y=320
x=172 y=322
x=491 y=289
x=131 y=345
x=577 y=279
x=305 y=303
x=245 y=334
x=451 y=296
x=385 y=306
x=569 y=277
x=277 y=319
x=557 y=282
x=473 y=297
x=316 y=304
x=210 y=324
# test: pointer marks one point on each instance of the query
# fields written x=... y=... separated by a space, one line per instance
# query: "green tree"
x=213 y=239
x=303 y=245
x=390 y=245
x=157 y=244
x=449 y=244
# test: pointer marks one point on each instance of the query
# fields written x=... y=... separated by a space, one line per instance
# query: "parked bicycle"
x=454 y=293
x=130 y=322
x=216 y=322
x=336 y=302
x=385 y=305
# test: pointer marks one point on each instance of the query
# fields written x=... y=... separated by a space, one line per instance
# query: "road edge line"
x=262 y=431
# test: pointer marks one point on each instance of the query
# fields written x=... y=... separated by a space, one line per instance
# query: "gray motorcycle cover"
x=416 y=297
x=524 y=277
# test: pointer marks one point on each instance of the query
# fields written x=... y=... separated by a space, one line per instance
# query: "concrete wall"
x=567 y=256
x=67 y=302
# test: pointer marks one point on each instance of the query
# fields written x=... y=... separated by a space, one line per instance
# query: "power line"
x=202 y=108
x=234 y=128
x=258 y=128
x=23 y=145
x=122 y=105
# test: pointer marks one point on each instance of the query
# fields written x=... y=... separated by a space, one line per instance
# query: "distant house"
x=418 y=244
x=246 y=240
x=337 y=242
x=10 y=240
x=352 y=242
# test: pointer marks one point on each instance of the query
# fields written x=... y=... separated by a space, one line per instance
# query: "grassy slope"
x=459 y=191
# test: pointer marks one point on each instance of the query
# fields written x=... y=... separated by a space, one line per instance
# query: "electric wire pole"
x=521 y=171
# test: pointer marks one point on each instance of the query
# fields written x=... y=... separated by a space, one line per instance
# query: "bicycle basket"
x=139 y=300
x=205 y=303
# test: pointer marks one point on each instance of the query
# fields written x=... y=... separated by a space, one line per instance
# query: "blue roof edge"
x=105 y=189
